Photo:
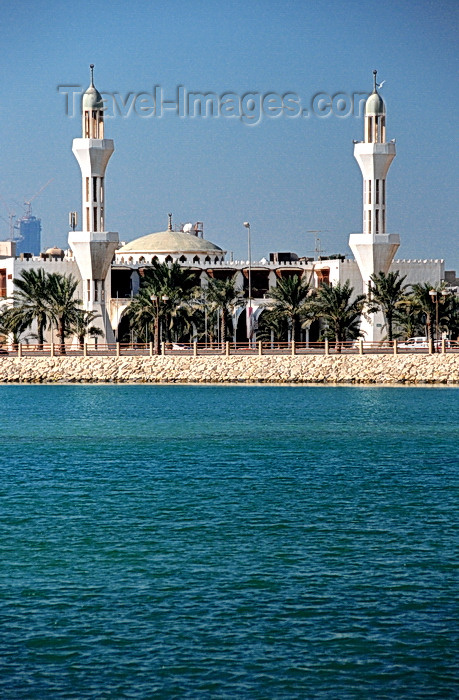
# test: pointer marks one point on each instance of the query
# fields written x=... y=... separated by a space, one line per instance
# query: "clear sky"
x=285 y=174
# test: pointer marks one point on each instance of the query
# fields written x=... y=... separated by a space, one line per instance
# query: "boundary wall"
x=354 y=369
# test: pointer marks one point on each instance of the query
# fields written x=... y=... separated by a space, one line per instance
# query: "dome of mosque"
x=55 y=251
x=169 y=242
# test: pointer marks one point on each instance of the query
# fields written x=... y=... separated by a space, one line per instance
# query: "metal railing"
x=359 y=347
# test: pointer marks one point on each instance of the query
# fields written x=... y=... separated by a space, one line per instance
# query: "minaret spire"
x=93 y=247
x=92 y=111
x=374 y=249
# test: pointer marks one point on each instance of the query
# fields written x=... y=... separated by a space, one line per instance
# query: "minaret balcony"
x=385 y=149
x=93 y=155
x=374 y=159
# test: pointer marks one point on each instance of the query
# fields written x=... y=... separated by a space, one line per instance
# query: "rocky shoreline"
x=311 y=369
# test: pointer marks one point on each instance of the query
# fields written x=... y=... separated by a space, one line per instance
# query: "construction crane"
x=11 y=218
x=29 y=203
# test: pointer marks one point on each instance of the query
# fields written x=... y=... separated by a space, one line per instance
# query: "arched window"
x=182 y=259
x=131 y=260
x=207 y=259
x=216 y=259
x=141 y=259
x=154 y=259
x=196 y=259
x=169 y=259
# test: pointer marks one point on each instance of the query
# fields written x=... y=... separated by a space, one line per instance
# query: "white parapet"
x=93 y=155
x=93 y=252
x=373 y=252
x=374 y=159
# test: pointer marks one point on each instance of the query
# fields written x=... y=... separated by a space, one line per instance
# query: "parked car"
x=413 y=343
x=448 y=343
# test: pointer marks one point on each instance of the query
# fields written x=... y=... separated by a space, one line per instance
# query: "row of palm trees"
x=172 y=306
x=419 y=309
x=170 y=296
x=171 y=299
x=47 y=301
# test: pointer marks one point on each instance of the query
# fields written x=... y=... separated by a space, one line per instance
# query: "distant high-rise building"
x=29 y=235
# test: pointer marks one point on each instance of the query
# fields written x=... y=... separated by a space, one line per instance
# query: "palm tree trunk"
x=223 y=328
x=430 y=331
x=337 y=339
x=156 y=335
x=61 y=335
x=40 y=333
x=389 y=322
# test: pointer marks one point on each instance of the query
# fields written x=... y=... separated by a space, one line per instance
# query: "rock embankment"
x=355 y=369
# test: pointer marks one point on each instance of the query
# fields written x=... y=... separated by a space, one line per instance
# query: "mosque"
x=109 y=272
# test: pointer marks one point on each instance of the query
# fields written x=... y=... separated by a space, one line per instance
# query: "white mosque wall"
x=419 y=271
x=15 y=266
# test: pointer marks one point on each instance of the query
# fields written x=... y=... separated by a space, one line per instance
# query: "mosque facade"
x=109 y=272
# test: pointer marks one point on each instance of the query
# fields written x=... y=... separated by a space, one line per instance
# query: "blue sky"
x=286 y=175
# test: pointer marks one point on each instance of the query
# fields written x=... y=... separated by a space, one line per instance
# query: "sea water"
x=228 y=542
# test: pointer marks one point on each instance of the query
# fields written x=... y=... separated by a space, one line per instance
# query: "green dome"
x=374 y=105
x=170 y=242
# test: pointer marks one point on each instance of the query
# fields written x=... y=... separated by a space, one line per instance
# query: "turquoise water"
x=228 y=542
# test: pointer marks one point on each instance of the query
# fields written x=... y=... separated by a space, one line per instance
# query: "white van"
x=418 y=342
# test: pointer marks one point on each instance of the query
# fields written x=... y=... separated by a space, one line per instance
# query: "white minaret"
x=374 y=249
x=93 y=247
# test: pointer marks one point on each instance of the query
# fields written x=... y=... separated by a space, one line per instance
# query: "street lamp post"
x=249 y=307
x=156 y=299
x=434 y=296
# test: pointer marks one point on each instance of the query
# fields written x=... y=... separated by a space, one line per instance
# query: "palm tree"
x=341 y=315
x=82 y=327
x=225 y=297
x=31 y=300
x=408 y=321
x=387 y=293
x=450 y=315
x=271 y=325
x=291 y=302
x=163 y=293
x=172 y=280
x=63 y=307
x=144 y=313
x=12 y=323
x=435 y=303
x=204 y=317
x=422 y=300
